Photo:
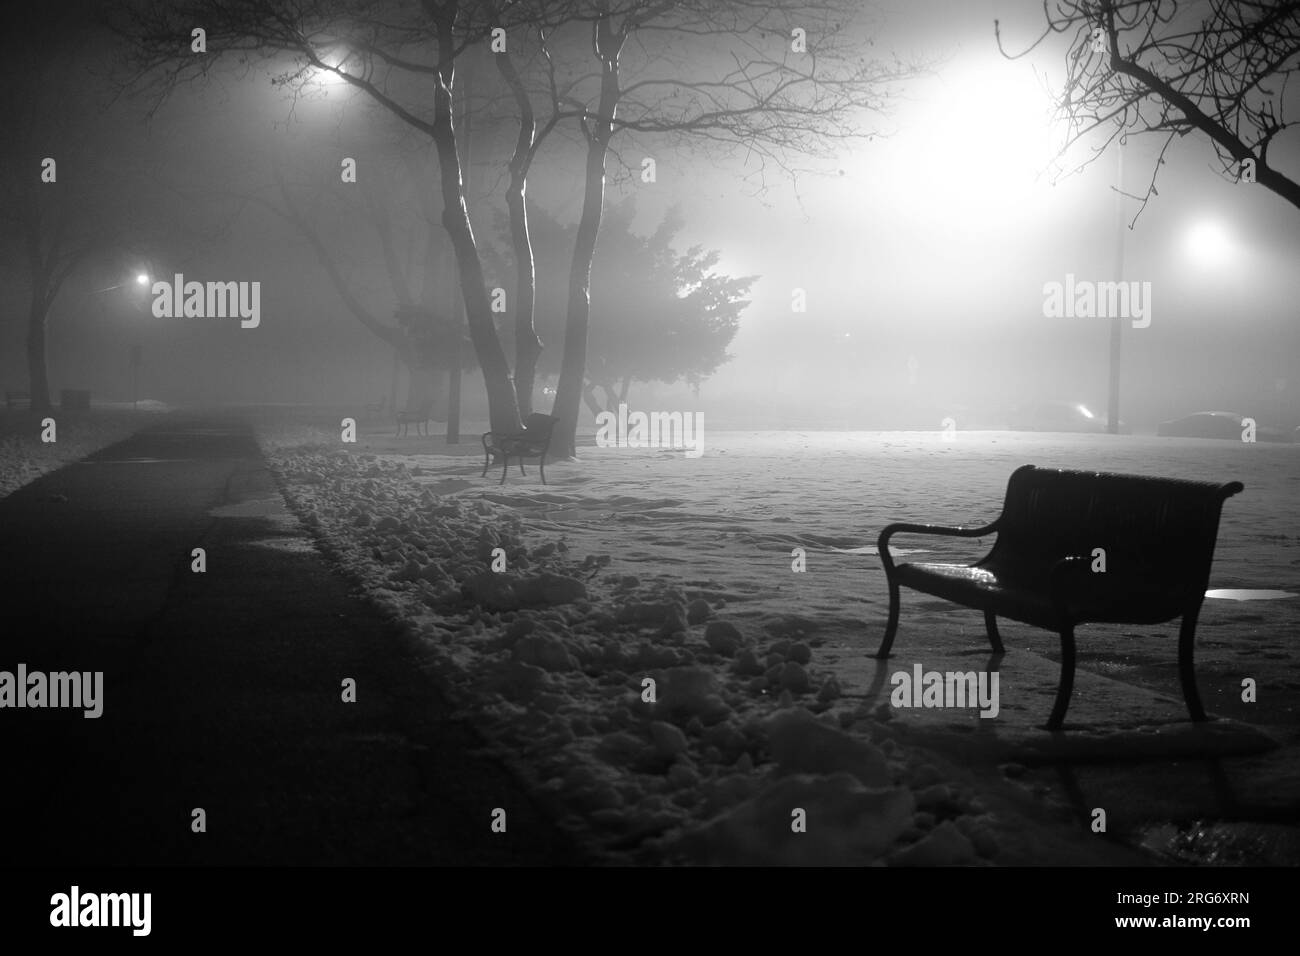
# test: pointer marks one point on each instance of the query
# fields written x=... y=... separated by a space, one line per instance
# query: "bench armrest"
x=882 y=543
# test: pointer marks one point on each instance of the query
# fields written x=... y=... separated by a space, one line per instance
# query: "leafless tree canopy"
x=1219 y=68
x=774 y=78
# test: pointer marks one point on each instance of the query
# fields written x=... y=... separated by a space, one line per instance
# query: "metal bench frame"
x=1158 y=535
x=419 y=416
x=533 y=442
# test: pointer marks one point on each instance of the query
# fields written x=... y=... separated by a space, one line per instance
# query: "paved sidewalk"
x=222 y=690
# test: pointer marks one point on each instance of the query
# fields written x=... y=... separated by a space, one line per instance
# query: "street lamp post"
x=1116 y=322
x=141 y=280
x=137 y=352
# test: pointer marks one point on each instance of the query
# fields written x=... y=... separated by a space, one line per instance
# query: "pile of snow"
x=653 y=725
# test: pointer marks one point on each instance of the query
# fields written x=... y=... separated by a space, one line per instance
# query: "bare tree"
x=61 y=201
x=774 y=79
x=401 y=55
x=529 y=138
x=1169 y=68
x=771 y=77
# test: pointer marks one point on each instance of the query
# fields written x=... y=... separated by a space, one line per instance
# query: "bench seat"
x=1011 y=594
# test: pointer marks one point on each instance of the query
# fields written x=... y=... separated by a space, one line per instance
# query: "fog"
x=898 y=281
x=545 y=433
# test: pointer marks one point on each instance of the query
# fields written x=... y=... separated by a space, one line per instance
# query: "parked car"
x=1057 y=416
x=1228 y=426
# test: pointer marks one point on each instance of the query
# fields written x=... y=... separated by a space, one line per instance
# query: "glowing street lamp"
x=1209 y=243
x=984 y=138
x=335 y=60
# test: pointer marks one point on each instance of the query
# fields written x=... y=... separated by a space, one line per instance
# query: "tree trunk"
x=528 y=347
x=568 y=394
x=38 y=381
x=503 y=409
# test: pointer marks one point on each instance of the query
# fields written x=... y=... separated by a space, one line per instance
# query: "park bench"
x=15 y=399
x=1154 y=537
x=417 y=415
x=533 y=442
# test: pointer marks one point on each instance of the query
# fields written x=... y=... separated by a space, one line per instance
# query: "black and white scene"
x=646 y=434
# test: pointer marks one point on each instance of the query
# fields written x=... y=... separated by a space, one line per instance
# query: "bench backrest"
x=538 y=426
x=1160 y=530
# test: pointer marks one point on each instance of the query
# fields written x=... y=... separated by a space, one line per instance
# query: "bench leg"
x=541 y=466
x=1186 y=671
x=891 y=627
x=1066 y=686
x=487 y=463
x=991 y=624
x=505 y=467
x=521 y=466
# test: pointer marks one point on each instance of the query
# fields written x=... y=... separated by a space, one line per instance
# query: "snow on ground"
x=24 y=457
x=637 y=564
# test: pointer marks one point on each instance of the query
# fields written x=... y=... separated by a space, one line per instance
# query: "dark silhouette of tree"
x=529 y=138
x=403 y=56
x=56 y=219
x=382 y=224
x=764 y=79
x=773 y=78
x=1170 y=68
x=657 y=314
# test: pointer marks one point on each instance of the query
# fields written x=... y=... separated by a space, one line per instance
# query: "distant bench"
x=17 y=399
x=1156 y=538
x=533 y=442
x=417 y=415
